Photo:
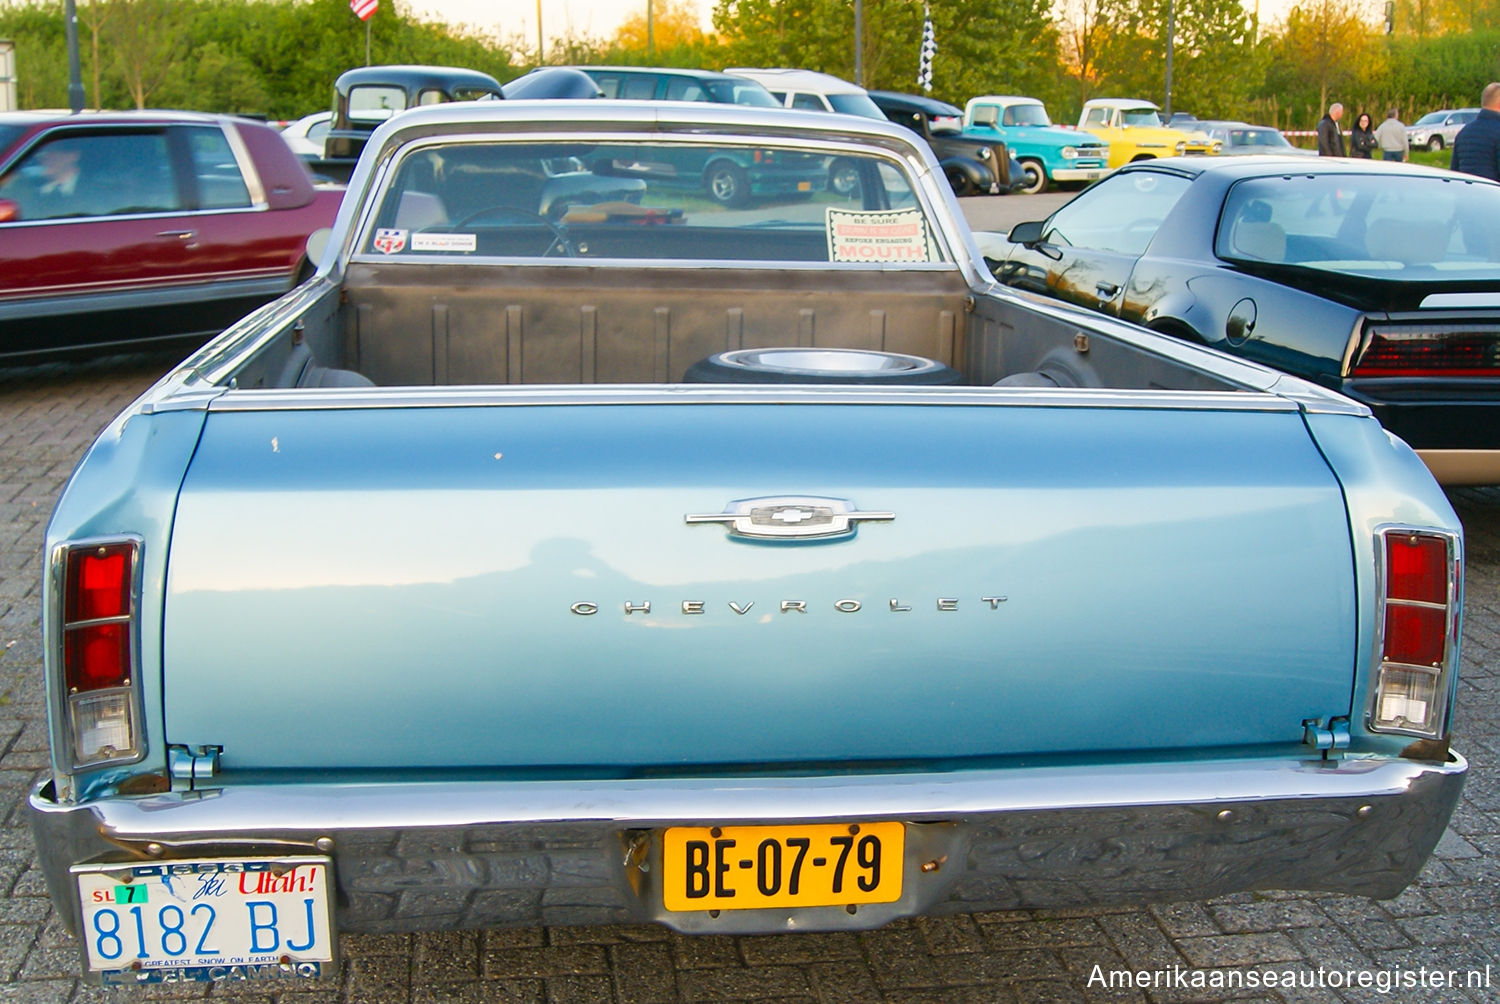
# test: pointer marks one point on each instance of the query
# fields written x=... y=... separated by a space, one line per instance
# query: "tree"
x=1085 y=28
x=673 y=24
x=1322 y=48
x=147 y=39
x=1000 y=45
x=1213 y=55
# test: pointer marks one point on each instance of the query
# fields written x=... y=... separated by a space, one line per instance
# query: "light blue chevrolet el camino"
x=747 y=569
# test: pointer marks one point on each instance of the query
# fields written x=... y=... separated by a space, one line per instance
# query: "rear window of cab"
x=679 y=201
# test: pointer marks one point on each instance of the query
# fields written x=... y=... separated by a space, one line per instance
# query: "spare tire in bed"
x=805 y=365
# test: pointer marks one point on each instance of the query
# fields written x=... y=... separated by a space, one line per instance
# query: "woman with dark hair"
x=1362 y=141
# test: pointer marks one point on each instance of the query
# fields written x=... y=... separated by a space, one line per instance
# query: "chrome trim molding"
x=535 y=395
x=1447 y=672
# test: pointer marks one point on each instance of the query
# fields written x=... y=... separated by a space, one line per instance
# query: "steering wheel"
x=559 y=235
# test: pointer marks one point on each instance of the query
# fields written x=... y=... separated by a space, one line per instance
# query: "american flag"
x=929 y=49
x=363 y=8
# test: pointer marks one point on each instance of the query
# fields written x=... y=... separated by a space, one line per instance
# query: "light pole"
x=859 y=42
x=75 y=77
x=1171 y=28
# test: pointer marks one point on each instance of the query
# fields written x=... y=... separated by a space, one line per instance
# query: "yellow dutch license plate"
x=756 y=867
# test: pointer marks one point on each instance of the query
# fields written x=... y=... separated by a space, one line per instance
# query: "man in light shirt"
x=1391 y=135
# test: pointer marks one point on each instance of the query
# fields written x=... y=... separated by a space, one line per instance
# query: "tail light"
x=97 y=618
x=1421 y=585
x=1430 y=350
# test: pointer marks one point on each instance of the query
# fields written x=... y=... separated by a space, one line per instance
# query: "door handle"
x=1106 y=290
x=182 y=235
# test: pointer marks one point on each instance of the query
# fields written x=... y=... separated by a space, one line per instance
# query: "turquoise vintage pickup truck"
x=735 y=569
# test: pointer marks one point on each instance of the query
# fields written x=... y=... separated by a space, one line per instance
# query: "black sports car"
x=1381 y=280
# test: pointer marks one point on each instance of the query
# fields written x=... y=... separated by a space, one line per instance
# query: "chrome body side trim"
x=554 y=852
x=22 y=307
x=569 y=395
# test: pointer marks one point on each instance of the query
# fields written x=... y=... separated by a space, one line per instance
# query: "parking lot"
x=1220 y=949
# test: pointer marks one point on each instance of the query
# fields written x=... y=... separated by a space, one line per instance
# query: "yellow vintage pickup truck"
x=1134 y=131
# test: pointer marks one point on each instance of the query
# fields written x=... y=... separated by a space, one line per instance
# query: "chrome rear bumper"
x=417 y=856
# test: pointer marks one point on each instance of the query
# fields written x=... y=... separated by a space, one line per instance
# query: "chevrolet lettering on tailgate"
x=625 y=556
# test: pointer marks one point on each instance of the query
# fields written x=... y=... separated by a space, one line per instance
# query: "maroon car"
x=145 y=229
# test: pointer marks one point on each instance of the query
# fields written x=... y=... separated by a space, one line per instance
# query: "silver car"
x=1436 y=130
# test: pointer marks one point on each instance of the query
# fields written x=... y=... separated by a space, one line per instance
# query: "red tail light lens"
x=97 y=587
x=96 y=656
x=1416 y=568
x=98 y=582
x=1445 y=350
x=1414 y=635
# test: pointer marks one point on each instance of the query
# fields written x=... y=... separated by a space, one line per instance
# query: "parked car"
x=434 y=595
x=973 y=164
x=1377 y=280
x=659 y=83
x=1134 y=131
x=730 y=177
x=305 y=136
x=1047 y=154
x=1240 y=139
x=366 y=96
x=819 y=92
x=1437 y=130
x=807 y=90
x=145 y=229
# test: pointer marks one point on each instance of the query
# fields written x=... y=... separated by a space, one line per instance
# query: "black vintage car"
x=365 y=97
x=1378 y=280
x=974 y=164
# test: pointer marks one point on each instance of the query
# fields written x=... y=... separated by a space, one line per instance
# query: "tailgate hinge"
x=1329 y=738
x=192 y=770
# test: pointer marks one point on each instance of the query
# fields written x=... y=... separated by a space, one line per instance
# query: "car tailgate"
x=436 y=586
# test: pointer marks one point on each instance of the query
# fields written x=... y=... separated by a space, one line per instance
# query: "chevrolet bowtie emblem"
x=790 y=517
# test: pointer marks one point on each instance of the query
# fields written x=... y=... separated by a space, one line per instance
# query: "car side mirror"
x=9 y=211
x=317 y=243
x=1032 y=236
x=1029 y=233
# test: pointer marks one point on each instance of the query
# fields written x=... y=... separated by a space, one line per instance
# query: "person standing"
x=1330 y=137
x=1362 y=137
x=1476 y=148
x=1391 y=136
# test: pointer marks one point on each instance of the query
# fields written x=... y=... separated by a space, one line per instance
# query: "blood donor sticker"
x=443 y=242
x=389 y=241
x=878 y=236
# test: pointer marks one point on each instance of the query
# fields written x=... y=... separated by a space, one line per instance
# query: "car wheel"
x=727 y=183
x=1435 y=144
x=1036 y=178
x=803 y=365
x=960 y=182
x=843 y=177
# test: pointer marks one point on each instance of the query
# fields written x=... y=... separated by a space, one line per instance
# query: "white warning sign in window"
x=879 y=236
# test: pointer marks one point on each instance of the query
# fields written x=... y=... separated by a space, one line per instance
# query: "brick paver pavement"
x=1449 y=920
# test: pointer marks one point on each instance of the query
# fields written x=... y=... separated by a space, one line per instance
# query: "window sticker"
x=443 y=242
x=879 y=236
x=389 y=241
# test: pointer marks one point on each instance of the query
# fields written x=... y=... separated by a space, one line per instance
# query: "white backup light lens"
x=102 y=726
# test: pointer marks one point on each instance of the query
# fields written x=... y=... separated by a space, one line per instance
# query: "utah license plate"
x=755 y=867
x=207 y=919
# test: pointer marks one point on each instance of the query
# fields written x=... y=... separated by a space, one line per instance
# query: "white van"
x=813 y=91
